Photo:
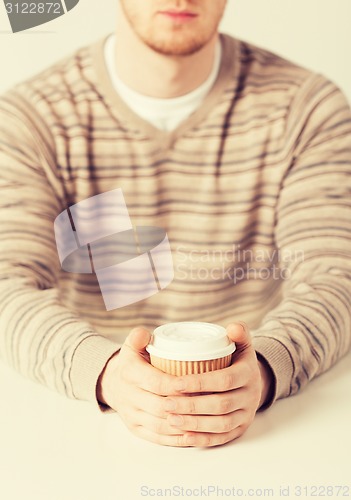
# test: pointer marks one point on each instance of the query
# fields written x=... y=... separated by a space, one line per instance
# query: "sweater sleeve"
x=310 y=329
x=39 y=337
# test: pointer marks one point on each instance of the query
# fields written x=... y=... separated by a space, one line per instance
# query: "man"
x=242 y=157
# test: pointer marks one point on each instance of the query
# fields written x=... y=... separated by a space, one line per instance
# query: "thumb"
x=138 y=339
x=240 y=334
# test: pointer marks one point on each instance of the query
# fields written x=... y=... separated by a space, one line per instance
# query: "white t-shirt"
x=165 y=114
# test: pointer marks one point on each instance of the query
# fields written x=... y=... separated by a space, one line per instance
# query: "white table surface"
x=52 y=448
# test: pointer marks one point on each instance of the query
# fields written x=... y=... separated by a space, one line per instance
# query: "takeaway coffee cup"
x=190 y=347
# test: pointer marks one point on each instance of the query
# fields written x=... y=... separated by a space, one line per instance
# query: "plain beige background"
x=314 y=33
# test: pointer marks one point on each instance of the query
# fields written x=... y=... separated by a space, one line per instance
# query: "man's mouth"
x=179 y=15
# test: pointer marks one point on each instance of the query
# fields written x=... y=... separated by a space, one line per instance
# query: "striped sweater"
x=253 y=190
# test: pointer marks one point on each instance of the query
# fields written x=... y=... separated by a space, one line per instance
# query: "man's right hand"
x=137 y=390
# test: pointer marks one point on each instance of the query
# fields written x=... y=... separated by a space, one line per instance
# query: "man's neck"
x=158 y=75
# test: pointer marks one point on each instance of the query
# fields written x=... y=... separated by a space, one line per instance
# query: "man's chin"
x=175 y=49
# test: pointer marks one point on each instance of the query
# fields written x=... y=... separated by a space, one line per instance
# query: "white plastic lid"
x=190 y=341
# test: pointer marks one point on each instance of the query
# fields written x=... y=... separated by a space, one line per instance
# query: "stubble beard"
x=175 y=43
x=179 y=44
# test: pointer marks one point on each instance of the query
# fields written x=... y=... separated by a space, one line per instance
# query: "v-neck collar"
x=228 y=73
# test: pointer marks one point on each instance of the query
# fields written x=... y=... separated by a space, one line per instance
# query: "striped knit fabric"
x=253 y=190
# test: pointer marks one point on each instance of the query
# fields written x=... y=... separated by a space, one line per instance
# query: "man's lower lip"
x=179 y=16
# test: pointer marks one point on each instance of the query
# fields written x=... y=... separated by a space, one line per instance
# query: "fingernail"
x=170 y=405
x=176 y=420
x=190 y=440
x=180 y=385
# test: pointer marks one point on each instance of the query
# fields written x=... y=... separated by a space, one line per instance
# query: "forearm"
x=308 y=332
x=46 y=342
x=39 y=337
x=310 y=329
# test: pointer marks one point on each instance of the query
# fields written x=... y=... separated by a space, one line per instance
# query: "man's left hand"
x=230 y=398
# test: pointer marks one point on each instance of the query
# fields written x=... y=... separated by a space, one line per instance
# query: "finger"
x=161 y=406
x=212 y=404
x=227 y=379
x=218 y=424
x=177 y=440
x=193 y=439
x=157 y=425
x=239 y=333
x=146 y=401
x=133 y=418
x=139 y=373
x=205 y=440
x=144 y=375
x=138 y=339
